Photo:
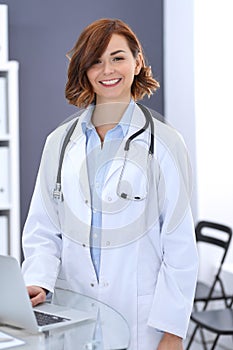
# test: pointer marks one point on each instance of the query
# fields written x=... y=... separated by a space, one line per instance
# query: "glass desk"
x=107 y=330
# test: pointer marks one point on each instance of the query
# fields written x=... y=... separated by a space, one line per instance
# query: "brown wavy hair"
x=89 y=47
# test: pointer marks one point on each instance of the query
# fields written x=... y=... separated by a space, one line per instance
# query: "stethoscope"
x=57 y=192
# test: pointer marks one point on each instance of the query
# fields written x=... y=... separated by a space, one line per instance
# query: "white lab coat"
x=148 y=261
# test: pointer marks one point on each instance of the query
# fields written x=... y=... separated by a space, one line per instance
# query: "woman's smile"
x=110 y=82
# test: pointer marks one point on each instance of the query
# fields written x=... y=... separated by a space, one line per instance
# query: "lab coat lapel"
x=77 y=153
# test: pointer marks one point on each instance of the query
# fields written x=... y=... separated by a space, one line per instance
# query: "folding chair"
x=219 y=322
x=206 y=233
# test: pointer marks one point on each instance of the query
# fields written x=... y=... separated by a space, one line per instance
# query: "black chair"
x=219 y=322
x=207 y=293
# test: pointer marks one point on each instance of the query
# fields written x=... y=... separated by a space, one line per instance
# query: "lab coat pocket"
x=126 y=184
x=133 y=179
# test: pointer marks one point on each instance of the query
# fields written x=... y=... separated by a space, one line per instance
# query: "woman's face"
x=112 y=75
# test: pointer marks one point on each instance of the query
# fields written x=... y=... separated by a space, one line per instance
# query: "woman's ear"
x=138 y=65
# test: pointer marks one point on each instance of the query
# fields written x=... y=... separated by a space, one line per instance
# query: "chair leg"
x=192 y=337
x=203 y=339
x=215 y=342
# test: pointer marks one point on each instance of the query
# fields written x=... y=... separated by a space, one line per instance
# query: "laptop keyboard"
x=45 y=319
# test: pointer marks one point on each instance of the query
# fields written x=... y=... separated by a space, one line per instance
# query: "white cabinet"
x=10 y=236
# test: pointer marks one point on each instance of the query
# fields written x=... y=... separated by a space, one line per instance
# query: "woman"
x=121 y=230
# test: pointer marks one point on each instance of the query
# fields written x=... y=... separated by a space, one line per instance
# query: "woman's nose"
x=108 y=68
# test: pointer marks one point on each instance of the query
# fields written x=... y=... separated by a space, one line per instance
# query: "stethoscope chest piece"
x=133 y=180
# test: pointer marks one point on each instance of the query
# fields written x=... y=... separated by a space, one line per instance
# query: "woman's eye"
x=118 y=58
x=97 y=62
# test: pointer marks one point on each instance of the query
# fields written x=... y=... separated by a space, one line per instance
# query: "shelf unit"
x=9 y=166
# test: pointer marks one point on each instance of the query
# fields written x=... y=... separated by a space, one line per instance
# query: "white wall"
x=198 y=100
x=179 y=75
x=198 y=92
x=214 y=110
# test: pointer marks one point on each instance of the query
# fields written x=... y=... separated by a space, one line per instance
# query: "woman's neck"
x=108 y=113
x=106 y=116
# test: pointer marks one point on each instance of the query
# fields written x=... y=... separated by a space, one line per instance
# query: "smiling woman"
x=122 y=230
x=114 y=42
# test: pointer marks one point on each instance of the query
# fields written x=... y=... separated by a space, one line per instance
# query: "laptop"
x=16 y=308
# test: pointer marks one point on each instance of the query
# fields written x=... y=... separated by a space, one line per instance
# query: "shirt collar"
x=124 y=122
x=86 y=122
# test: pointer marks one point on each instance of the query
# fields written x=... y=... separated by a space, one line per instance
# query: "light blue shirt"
x=99 y=158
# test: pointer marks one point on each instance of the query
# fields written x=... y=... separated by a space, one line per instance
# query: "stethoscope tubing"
x=57 y=192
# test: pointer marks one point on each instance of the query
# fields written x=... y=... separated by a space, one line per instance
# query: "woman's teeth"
x=110 y=82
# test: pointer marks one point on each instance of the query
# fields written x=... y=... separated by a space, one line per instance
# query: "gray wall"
x=40 y=33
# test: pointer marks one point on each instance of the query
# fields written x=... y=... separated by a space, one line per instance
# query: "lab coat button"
x=86 y=201
x=92 y=285
x=109 y=199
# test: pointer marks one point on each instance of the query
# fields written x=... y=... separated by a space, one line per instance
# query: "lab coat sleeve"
x=174 y=292
x=41 y=239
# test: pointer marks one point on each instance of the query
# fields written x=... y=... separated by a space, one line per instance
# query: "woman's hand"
x=36 y=294
x=170 y=342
